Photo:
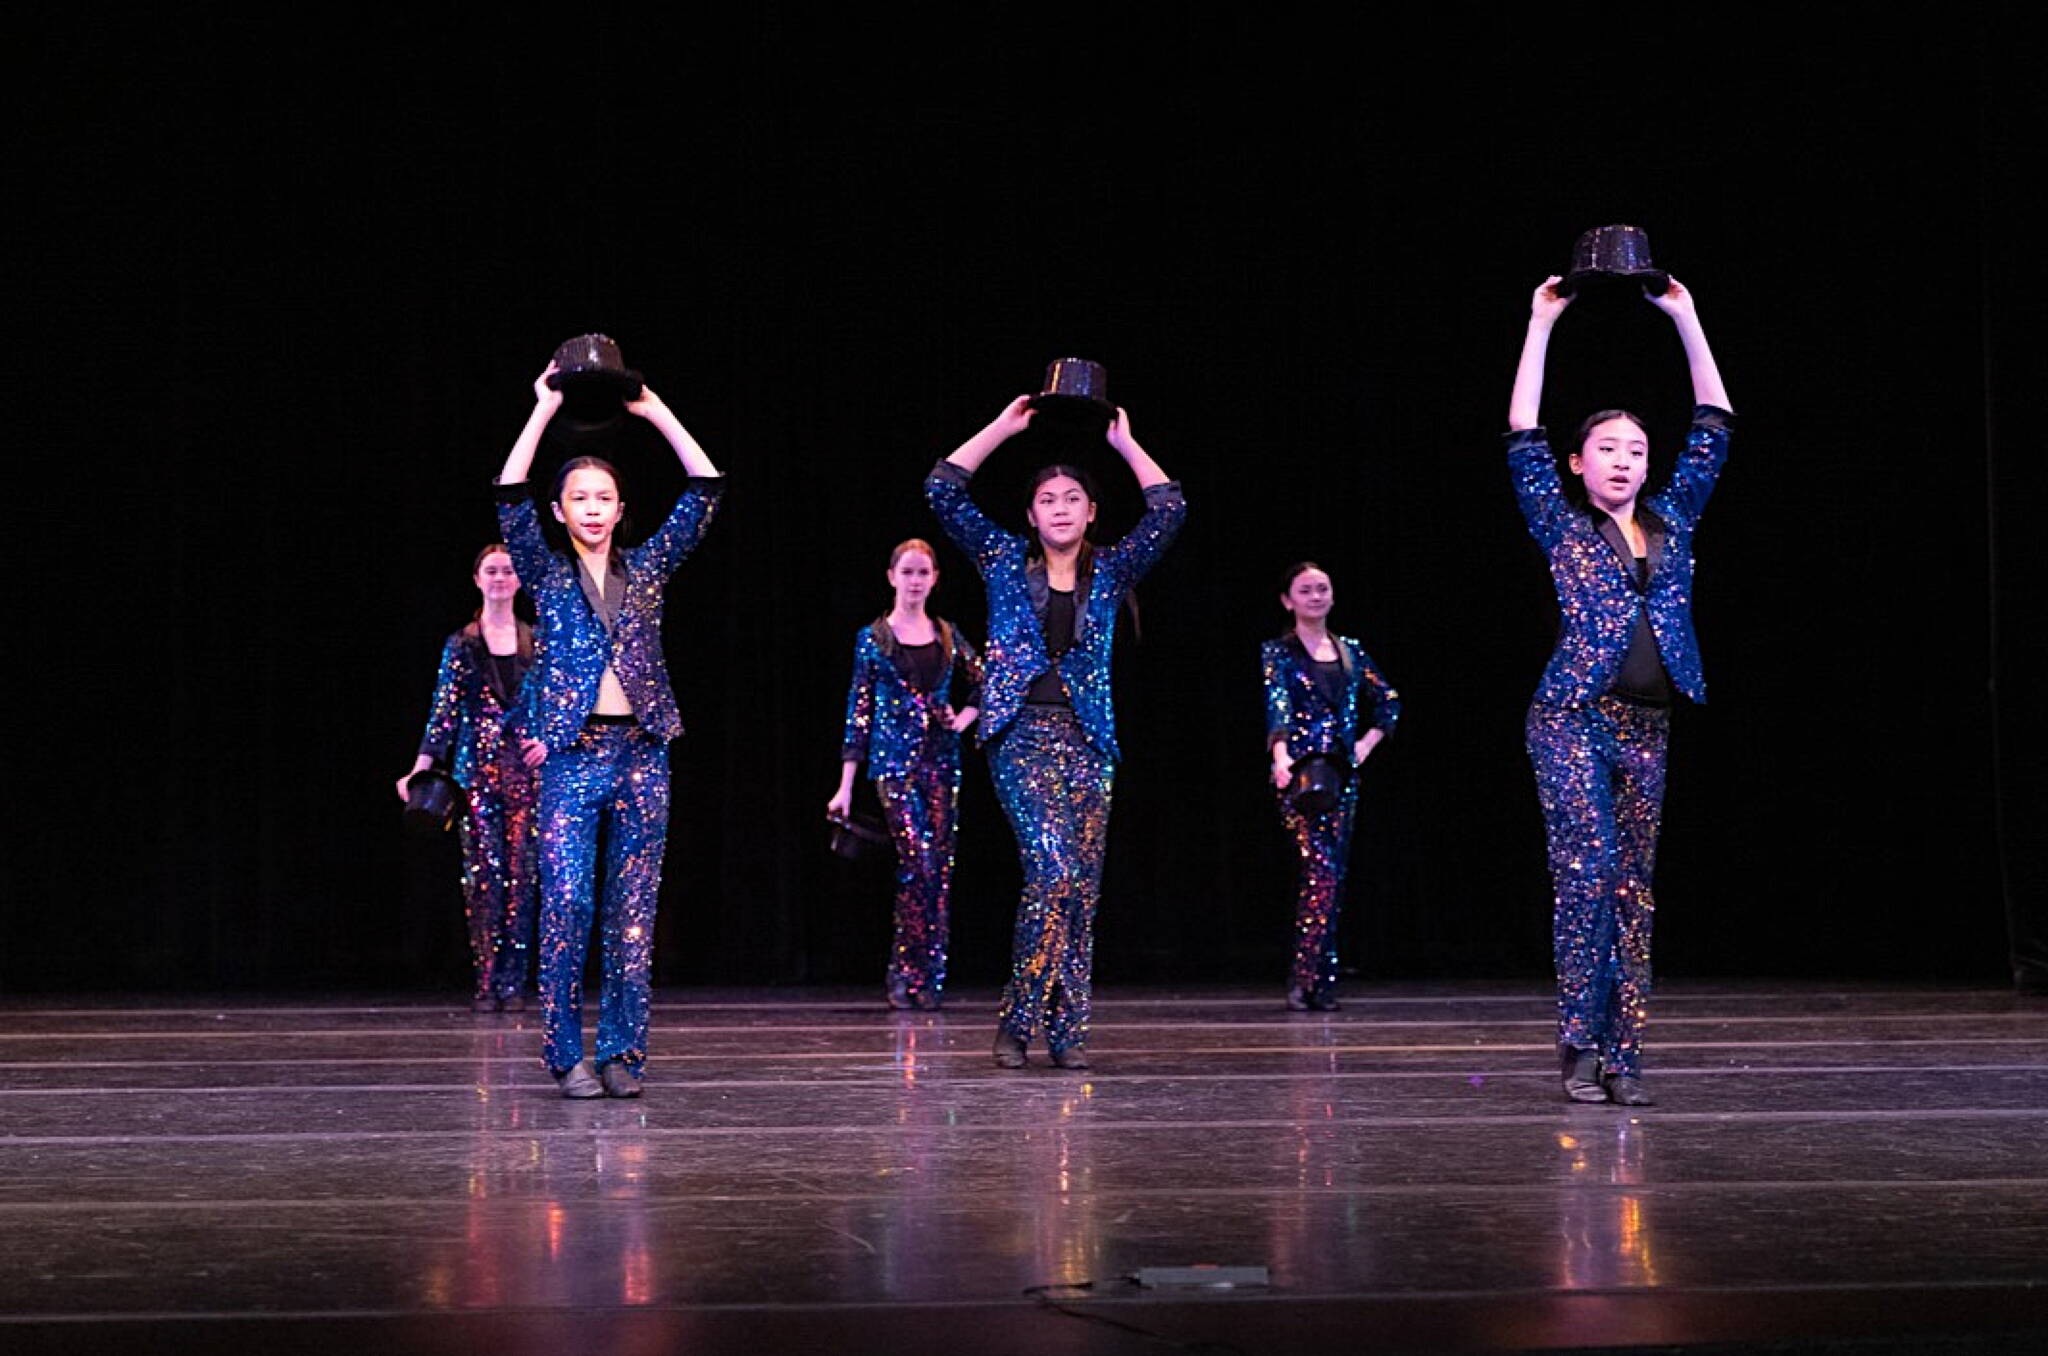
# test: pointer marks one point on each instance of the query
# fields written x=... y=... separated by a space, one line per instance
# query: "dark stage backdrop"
x=286 y=297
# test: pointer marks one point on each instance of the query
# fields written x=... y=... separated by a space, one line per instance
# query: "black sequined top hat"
x=1614 y=254
x=594 y=381
x=1318 y=784
x=1075 y=388
x=433 y=801
x=854 y=835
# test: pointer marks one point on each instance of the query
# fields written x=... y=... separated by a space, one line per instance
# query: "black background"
x=289 y=280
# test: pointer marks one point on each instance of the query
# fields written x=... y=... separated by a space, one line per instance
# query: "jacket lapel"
x=481 y=659
x=892 y=650
x=1624 y=557
x=1039 y=588
x=606 y=606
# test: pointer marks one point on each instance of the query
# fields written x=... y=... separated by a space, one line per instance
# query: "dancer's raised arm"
x=1525 y=405
x=519 y=461
x=650 y=407
x=1142 y=466
x=1015 y=418
x=1677 y=302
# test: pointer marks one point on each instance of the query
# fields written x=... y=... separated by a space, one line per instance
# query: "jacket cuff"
x=1522 y=439
x=1713 y=416
x=710 y=485
x=953 y=471
x=1166 y=492
x=512 y=493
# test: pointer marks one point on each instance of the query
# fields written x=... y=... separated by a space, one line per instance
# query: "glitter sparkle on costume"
x=465 y=726
x=1055 y=790
x=600 y=775
x=1599 y=758
x=616 y=775
x=1298 y=710
x=1600 y=778
x=1053 y=767
x=904 y=735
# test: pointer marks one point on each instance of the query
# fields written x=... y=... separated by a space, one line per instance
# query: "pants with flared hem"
x=1323 y=843
x=1055 y=791
x=500 y=881
x=614 y=778
x=1600 y=778
x=922 y=811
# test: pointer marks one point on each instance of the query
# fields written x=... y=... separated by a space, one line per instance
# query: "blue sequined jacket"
x=1297 y=710
x=471 y=703
x=1597 y=597
x=574 y=642
x=1016 y=602
x=890 y=722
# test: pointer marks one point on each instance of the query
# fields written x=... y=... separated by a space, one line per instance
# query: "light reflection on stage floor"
x=810 y=1170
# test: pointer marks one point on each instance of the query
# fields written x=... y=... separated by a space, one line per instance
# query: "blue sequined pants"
x=1323 y=843
x=1600 y=778
x=1055 y=790
x=922 y=814
x=499 y=881
x=614 y=776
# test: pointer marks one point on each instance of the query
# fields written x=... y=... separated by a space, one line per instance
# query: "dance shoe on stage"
x=1582 y=1075
x=580 y=1082
x=1623 y=1090
x=618 y=1080
x=1009 y=1051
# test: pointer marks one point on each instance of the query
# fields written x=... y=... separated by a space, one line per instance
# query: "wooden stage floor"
x=1830 y=1167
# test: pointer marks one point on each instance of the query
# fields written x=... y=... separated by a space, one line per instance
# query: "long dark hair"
x=1084 y=566
x=575 y=464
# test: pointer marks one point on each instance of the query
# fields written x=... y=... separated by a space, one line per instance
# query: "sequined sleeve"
x=1165 y=510
x=1373 y=686
x=1279 y=708
x=946 y=490
x=519 y=522
x=860 y=703
x=1537 y=488
x=1699 y=466
x=679 y=534
x=967 y=666
x=444 y=718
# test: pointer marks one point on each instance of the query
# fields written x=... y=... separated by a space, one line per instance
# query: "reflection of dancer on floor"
x=597 y=717
x=1316 y=684
x=482 y=666
x=1046 y=718
x=1622 y=564
x=901 y=722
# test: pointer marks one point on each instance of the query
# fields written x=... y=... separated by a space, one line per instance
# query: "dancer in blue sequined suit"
x=1622 y=565
x=482 y=668
x=596 y=717
x=1047 y=719
x=901 y=722
x=1320 y=689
